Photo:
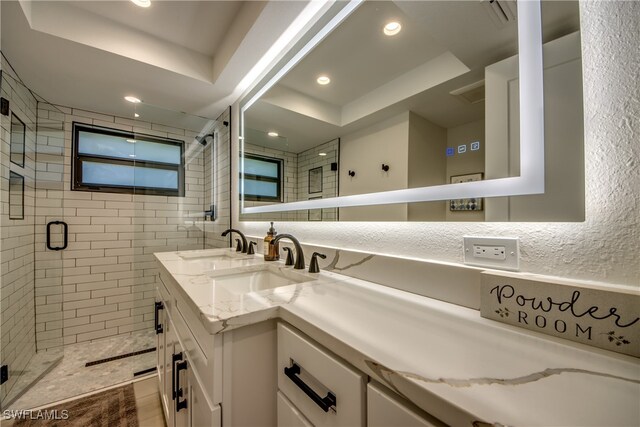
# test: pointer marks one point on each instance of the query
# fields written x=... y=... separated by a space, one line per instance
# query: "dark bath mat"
x=111 y=408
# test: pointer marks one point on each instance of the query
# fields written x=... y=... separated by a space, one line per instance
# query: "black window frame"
x=278 y=180
x=77 y=159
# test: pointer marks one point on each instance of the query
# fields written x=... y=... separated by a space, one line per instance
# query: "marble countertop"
x=445 y=358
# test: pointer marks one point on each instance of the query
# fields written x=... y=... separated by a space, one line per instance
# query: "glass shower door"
x=34 y=234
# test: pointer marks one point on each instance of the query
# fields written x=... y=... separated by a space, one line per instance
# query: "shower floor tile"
x=71 y=378
x=39 y=365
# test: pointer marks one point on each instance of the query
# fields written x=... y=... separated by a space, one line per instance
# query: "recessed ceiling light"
x=274 y=134
x=392 y=28
x=131 y=141
x=132 y=99
x=136 y=115
x=323 y=80
x=142 y=3
x=322 y=154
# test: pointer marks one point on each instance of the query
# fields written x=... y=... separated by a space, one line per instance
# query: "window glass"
x=261 y=188
x=121 y=175
x=123 y=147
x=257 y=166
x=115 y=161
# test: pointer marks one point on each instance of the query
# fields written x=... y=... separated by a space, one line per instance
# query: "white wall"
x=364 y=152
x=606 y=245
x=427 y=145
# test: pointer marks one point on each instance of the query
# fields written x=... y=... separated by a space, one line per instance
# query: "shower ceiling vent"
x=470 y=94
x=501 y=12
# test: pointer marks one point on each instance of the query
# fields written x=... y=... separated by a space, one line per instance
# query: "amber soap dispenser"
x=271 y=252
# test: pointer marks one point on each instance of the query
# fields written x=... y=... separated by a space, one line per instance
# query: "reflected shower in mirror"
x=422 y=94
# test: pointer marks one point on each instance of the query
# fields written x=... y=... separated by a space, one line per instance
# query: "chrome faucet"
x=299 y=265
x=242 y=236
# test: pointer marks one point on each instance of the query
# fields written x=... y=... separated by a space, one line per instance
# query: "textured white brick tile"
x=96 y=310
x=109 y=292
x=97 y=334
x=74 y=330
x=110 y=316
x=69 y=305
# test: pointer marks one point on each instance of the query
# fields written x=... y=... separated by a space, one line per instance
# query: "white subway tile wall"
x=311 y=159
x=108 y=272
x=17 y=344
x=217 y=182
x=296 y=181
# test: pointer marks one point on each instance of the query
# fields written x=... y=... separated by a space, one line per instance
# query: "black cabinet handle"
x=174 y=358
x=323 y=402
x=65 y=227
x=180 y=404
x=158 y=326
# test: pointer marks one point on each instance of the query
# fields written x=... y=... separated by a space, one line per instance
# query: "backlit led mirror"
x=421 y=111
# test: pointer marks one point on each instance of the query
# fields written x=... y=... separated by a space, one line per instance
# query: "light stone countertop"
x=461 y=368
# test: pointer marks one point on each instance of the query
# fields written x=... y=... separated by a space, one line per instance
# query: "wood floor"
x=148 y=403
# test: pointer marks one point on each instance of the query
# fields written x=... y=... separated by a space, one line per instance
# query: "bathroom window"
x=114 y=161
x=262 y=178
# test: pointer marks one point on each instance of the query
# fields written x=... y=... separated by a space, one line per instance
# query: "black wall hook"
x=352 y=173
x=385 y=167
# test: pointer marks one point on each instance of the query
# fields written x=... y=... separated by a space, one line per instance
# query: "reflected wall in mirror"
x=434 y=99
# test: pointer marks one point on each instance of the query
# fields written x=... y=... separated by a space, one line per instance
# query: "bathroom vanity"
x=246 y=342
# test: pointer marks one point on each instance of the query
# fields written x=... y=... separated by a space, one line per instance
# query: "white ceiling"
x=196 y=25
x=358 y=57
x=183 y=56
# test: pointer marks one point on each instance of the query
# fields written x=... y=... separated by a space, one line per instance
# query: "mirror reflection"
x=414 y=94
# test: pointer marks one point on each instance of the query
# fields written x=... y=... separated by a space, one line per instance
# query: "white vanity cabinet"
x=185 y=400
x=317 y=385
x=201 y=373
x=385 y=409
x=317 y=388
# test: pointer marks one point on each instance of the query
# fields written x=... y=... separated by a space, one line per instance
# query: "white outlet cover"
x=512 y=249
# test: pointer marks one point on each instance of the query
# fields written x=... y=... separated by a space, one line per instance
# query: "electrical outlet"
x=489 y=252
x=492 y=252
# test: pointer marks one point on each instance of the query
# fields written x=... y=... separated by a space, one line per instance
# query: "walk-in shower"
x=87 y=198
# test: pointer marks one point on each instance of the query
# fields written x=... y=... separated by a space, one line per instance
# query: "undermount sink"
x=256 y=280
x=198 y=256
x=213 y=260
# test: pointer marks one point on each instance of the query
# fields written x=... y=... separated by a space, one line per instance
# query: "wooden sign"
x=600 y=316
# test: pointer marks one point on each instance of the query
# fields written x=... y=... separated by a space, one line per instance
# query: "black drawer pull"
x=174 y=358
x=323 y=402
x=180 y=404
x=158 y=326
x=65 y=228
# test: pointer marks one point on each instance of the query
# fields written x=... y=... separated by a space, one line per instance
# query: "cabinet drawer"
x=198 y=359
x=323 y=375
x=385 y=409
x=164 y=293
x=288 y=415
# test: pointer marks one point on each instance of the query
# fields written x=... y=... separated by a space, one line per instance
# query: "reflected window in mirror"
x=262 y=178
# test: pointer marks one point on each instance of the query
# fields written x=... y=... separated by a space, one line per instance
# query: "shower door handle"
x=65 y=229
